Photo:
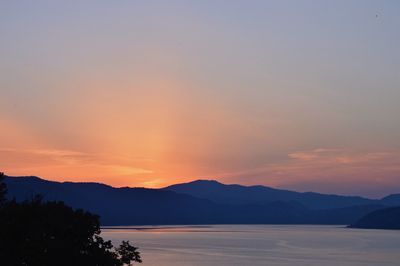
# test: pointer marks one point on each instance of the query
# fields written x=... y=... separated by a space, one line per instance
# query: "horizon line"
x=195 y=180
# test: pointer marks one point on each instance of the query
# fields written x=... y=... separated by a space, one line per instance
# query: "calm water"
x=261 y=245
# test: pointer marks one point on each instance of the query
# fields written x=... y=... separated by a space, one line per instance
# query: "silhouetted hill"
x=141 y=206
x=116 y=206
x=388 y=218
x=238 y=194
x=393 y=200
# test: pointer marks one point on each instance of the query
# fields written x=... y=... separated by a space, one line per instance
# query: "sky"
x=301 y=95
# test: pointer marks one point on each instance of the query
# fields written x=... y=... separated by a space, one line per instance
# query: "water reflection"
x=260 y=245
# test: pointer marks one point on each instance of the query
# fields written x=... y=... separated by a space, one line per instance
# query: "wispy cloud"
x=339 y=169
x=72 y=163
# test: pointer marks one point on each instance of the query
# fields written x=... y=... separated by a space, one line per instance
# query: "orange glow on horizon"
x=145 y=93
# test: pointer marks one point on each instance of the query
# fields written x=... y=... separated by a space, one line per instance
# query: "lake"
x=283 y=245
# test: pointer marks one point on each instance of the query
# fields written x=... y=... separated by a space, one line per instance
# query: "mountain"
x=238 y=194
x=388 y=218
x=393 y=200
x=116 y=206
x=142 y=206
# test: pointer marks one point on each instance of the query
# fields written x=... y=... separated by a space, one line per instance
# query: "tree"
x=43 y=233
x=3 y=189
x=128 y=253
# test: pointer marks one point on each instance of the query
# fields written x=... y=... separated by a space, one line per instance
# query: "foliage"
x=43 y=233
x=128 y=253
x=3 y=189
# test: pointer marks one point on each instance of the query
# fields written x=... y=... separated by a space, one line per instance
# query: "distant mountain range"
x=237 y=194
x=200 y=202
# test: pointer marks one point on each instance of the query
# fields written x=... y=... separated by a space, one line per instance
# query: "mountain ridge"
x=239 y=194
x=144 y=206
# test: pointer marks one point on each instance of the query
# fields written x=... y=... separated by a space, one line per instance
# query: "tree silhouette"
x=3 y=189
x=43 y=233
x=128 y=253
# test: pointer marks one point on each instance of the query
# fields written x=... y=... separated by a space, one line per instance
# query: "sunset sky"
x=302 y=95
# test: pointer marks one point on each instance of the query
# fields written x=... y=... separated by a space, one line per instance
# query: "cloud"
x=330 y=169
x=71 y=164
x=340 y=156
x=302 y=156
x=127 y=170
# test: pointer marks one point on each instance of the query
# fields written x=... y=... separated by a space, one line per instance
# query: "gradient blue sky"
x=295 y=94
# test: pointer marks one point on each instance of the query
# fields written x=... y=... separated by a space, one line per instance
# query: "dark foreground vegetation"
x=48 y=233
x=388 y=218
